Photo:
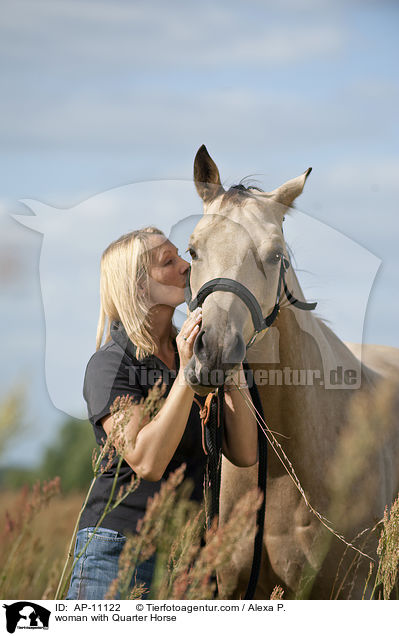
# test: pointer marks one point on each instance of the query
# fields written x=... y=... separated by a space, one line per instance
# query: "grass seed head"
x=388 y=549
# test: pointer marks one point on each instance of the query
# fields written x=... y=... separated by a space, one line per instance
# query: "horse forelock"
x=237 y=195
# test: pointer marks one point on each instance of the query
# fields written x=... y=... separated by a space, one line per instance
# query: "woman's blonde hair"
x=125 y=265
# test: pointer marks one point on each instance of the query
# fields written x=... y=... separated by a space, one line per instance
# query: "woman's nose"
x=185 y=265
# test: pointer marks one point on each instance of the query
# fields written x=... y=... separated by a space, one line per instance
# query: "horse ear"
x=290 y=190
x=206 y=176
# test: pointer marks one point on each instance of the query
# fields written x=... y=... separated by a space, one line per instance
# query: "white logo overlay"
x=332 y=269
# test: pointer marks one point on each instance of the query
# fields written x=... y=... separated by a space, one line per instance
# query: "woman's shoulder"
x=110 y=372
x=109 y=349
x=109 y=359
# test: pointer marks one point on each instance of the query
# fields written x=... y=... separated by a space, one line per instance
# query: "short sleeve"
x=109 y=374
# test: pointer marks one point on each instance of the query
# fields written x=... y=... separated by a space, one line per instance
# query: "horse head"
x=239 y=237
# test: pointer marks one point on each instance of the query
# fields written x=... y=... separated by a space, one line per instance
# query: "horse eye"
x=275 y=257
x=192 y=253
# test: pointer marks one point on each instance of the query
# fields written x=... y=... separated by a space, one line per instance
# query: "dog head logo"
x=26 y=615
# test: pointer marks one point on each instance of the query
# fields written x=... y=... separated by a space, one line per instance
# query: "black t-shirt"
x=113 y=371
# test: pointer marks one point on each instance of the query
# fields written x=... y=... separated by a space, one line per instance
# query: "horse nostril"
x=199 y=343
x=234 y=351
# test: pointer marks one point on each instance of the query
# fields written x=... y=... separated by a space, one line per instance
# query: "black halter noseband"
x=230 y=285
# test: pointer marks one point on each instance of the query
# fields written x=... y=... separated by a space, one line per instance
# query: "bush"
x=69 y=458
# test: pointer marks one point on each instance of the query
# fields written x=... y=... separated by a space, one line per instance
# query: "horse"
x=330 y=417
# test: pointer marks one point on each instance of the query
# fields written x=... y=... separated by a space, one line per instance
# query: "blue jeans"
x=98 y=566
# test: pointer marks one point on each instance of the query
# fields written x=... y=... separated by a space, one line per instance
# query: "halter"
x=233 y=286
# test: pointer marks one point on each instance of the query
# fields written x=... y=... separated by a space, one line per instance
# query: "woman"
x=142 y=282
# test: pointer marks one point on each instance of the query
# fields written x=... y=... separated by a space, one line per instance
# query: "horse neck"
x=289 y=340
x=306 y=342
x=300 y=343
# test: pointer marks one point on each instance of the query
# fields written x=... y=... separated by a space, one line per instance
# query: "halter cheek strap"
x=233 y=286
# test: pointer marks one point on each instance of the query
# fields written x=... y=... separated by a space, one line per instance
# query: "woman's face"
x=167 y=274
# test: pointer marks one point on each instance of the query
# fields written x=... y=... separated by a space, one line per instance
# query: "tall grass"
x=102 y=462
x=36 y=524
x=388 y=551
x=32 y=537
x=358 y=491
x=188 y=556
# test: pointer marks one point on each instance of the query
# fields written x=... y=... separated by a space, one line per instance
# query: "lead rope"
x=213 y=439
x=211 y=415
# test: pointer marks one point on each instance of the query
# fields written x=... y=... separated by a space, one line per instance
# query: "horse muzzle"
x=214 y=354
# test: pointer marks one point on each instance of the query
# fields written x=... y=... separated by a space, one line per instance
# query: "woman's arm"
x=240 y=436
x=155 y=443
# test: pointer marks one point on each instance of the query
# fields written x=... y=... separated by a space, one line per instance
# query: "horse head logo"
x=74 y=239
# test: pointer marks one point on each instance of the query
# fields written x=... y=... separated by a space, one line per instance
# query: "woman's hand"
x=188 y=333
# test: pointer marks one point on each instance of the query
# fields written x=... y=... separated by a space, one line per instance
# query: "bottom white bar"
x=176 y=617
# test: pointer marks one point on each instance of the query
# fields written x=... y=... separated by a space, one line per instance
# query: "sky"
x=103 y=108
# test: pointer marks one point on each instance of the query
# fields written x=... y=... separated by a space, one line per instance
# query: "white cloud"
x=154 y=35
x=95 y=76
x=238 y=116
